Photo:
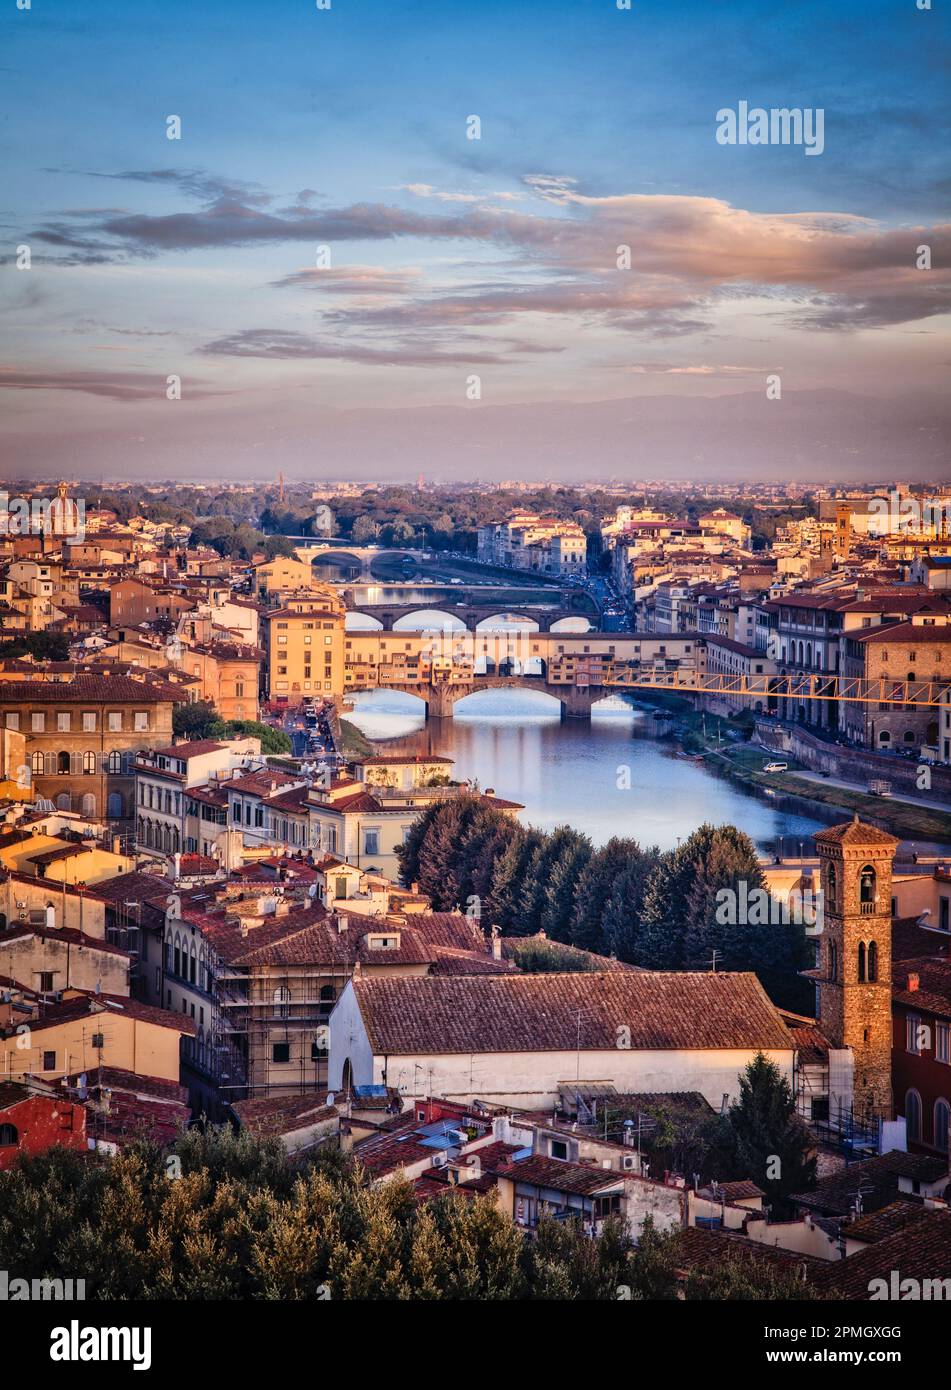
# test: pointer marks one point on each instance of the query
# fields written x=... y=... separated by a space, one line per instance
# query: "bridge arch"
x=508 y=622
x=355 y=621
x=423 y=619
x=576 y=622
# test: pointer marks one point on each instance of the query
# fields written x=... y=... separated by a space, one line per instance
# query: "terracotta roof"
x=69 y=935
x=835 y=1194
x=270 y=1115
x=873 y=1226
x=920 y=1250
x=933 y=992
x=540 y=1171
x=81 y=689
x=854 y=832
x=196 y=749
x=704 y=1251
x=539 y=1013
x=98 y=1006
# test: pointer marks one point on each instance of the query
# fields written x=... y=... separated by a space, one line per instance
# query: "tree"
x=196 y=720
x=274 y=741
x=508 y=871
x=561 y=845
x=559 y=899
x=42 y=646
x=773 y=1145
x=678 y=923
x=594 y=890
x=621 y=920
x=364 y=530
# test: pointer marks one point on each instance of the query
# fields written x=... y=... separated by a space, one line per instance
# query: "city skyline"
x=328 y=262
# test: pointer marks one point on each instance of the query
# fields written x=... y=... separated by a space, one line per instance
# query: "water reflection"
x=609 y=776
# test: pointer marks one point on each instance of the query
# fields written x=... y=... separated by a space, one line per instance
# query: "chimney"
x=495 y=937
x=343 y=923
x=913 y=982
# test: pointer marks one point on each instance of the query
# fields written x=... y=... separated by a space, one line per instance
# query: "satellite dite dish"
x=312 y=891
x=331 y=1098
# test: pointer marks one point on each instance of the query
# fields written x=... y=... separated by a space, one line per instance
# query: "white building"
x=515 y=1039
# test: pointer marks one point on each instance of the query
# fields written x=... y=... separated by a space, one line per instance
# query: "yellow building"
x=305 y=650
x=97 y=1030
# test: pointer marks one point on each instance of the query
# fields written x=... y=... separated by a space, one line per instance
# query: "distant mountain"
x=819 y=435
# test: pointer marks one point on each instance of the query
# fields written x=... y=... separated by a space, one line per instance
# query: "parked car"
x=775 y=767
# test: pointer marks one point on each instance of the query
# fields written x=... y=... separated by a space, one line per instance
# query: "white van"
x=775 y=767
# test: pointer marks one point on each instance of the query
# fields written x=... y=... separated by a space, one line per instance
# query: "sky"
x=346 y=284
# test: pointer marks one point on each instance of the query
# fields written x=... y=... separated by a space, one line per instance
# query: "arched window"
x=114 y=805
x=833 y=961
x=64 y=802
x=867 y=890
x=861 y=975
x=115 y=762
x=36 y=763
x=832 y=883
x=327 y=994
x=942 y=1119
x=8 y=1135
x=89 y=763
x=872 y=975
x=282 y=999
x=89 y=804
x=62 y=762
x=913 y=1115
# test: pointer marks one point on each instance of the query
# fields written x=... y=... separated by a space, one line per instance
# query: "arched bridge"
x=470 y=616
x=440 y=697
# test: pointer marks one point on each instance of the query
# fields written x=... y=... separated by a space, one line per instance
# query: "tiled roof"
x=854 y=832
x=540 y=1171
x=196 y=749
x=876 y=1225
x=99 y=1006
x=933 y=992
x=269 y=1115
x=919 y=1250
x=121 y=689
x=876 y=1179
x=703 y=1251
x=539 y=1013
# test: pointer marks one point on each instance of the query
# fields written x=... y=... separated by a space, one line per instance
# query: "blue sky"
x=450 y=257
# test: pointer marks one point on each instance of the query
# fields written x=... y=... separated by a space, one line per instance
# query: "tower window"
x=861 y=962
x=872 y=962
x=867 y=890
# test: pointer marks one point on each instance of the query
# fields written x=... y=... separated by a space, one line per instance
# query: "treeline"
x=625 y=900
x=225 y=1217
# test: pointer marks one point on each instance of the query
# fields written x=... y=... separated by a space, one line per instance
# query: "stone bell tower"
x=855 y=957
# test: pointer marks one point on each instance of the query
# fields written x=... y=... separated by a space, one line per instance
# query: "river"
x=608 y=776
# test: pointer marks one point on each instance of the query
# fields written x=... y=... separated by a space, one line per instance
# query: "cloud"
x=426 y=190
x=279 y=344
x=351 y=279
x=686 y=254
x=117 y=386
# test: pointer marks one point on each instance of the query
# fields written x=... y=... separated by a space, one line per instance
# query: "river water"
x=609 y=776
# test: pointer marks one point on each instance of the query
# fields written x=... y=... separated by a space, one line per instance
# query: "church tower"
x=855 y=957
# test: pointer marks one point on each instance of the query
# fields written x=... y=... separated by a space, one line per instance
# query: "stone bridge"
x=440 y=697
x=470 y=615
